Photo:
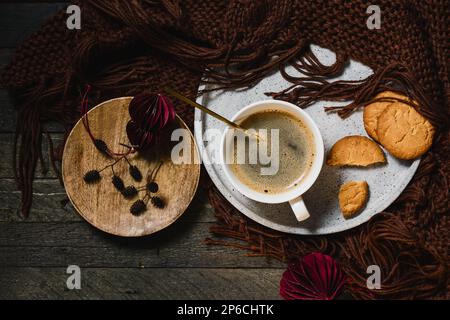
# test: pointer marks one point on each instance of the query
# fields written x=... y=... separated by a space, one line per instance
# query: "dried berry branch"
x=158 y=202
x=134 y=171
x=148 y=112
x=98 y=143
x=117 y=182
x=92 y=176
x=129 y=192
x=138 y=207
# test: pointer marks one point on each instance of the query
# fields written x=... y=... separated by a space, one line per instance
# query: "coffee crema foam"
x=296 y=153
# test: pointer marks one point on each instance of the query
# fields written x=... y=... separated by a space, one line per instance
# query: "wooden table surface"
x=35 y=253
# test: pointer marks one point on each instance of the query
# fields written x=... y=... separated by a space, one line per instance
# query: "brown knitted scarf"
x=125 y=47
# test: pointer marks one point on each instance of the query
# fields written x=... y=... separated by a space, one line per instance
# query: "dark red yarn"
x=126 y=47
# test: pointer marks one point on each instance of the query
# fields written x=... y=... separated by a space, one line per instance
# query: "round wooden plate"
x=100 y=203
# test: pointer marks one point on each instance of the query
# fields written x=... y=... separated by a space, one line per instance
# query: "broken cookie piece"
x=353 y=197
x=355 y=151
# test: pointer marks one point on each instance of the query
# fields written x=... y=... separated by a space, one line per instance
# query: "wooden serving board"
x=100 y=203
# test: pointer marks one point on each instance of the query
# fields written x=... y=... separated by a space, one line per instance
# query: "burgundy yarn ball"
x=150 y=113
x=315 y=276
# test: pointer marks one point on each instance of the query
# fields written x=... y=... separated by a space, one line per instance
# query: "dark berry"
x=129 y=192
x=158 y=202
x=135 y=173
x=101 y=146
x=118 y=183
x=138 y=207
x=92 y=176
x=152 y=187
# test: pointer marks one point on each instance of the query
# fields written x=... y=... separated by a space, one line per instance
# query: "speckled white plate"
x=385 y=182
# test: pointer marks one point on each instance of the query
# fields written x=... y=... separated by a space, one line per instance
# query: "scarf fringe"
x=29 y=133
x=225 y=66
x=316 y=85
x=378 y=243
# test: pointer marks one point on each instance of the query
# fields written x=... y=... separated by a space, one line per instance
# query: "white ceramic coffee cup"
x=294 y=194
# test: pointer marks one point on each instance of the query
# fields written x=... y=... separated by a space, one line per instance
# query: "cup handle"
x=299 y=208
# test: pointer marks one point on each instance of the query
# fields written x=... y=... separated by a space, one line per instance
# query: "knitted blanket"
x=125 y=47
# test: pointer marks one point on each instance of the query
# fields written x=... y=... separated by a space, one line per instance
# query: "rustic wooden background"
x=35 y=253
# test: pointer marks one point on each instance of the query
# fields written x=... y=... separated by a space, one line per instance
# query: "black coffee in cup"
x=289 y=144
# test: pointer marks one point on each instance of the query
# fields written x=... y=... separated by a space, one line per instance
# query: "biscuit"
x=353 y=197
x=355 y=151
x=373 y=111
x=404 y=132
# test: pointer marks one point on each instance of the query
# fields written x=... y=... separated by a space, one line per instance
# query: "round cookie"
x=355 y=151
x=373 y=111
x=404 y=132
x=353 y=197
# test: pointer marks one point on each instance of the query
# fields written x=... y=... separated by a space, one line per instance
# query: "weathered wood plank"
x=50 y=204
x=7 y=147
x=180 y=283
x=19 y=20
x=197 y=256
x=60 y=244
